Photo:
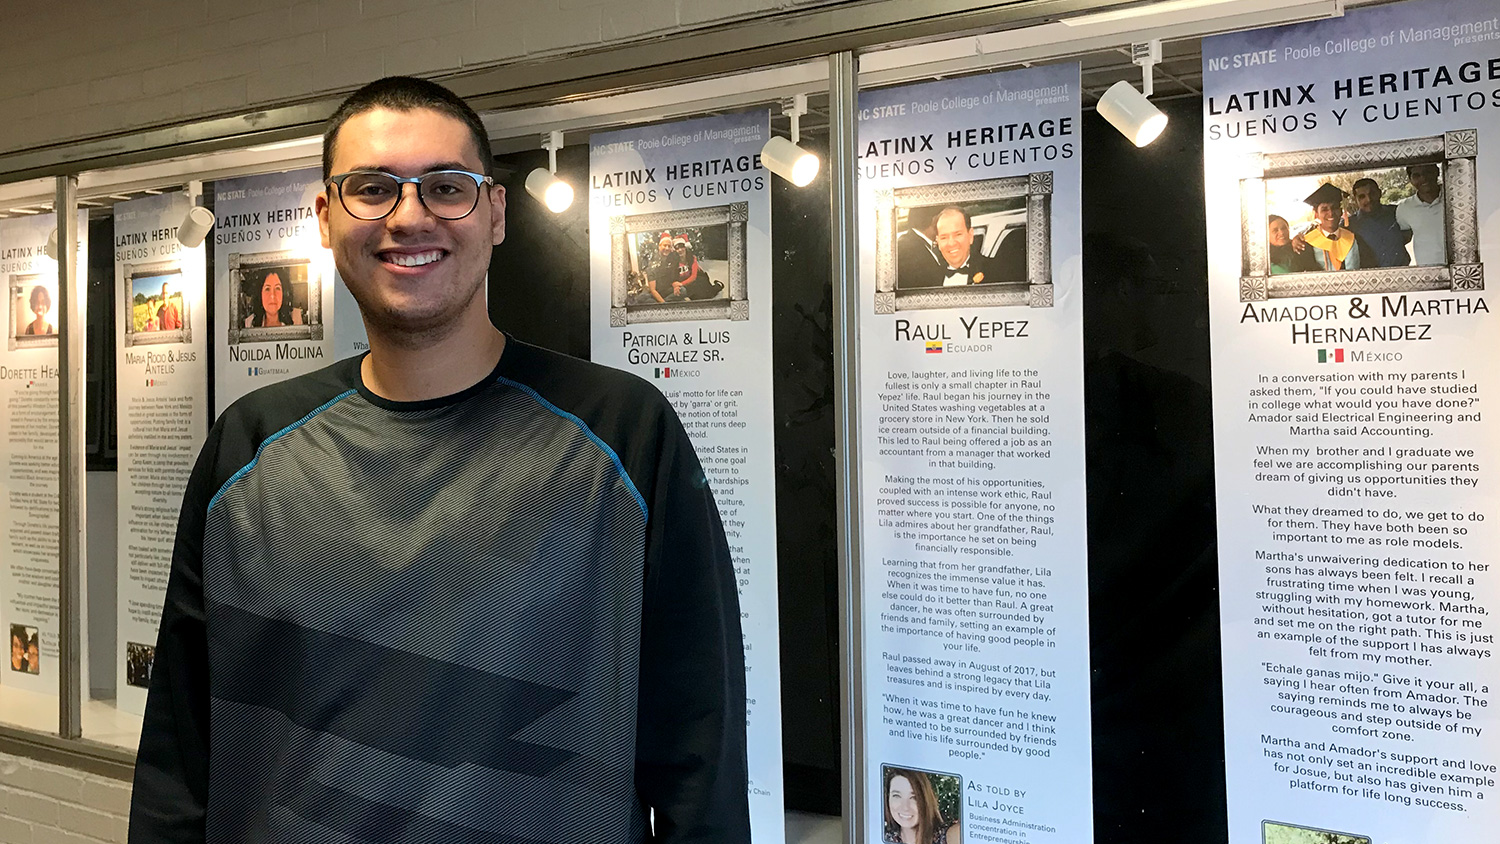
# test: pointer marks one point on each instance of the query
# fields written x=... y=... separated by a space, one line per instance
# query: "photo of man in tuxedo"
x=962 y=264
x=947 y=244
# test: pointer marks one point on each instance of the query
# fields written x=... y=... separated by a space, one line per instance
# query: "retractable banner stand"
x=1353 y=182
x=680 y=220
x=29 y=468
x=274 y=283
x=161 y=321
x=975 y=589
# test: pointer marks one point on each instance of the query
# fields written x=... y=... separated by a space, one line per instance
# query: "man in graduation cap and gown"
x=1331 y=244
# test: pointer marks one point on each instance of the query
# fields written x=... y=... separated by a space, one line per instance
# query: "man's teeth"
x=413 y=260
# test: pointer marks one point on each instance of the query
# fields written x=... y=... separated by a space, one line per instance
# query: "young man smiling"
x=460 y=589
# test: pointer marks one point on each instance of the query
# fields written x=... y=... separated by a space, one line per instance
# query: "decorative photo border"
x=130 y=273
x=1455 y=150
x=736 y=307
x=20 y=291
x=241 y=263
x=1035 y=292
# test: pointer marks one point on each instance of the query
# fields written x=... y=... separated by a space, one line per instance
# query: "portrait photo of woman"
x=273 y=307
x=1284 y=256
x=25 y=649
x=41 y=306
x=17 y=648
x=912 y=811
x=33 y=652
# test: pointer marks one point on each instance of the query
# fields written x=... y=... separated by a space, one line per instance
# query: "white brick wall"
x=45 y=804
x=71 y=70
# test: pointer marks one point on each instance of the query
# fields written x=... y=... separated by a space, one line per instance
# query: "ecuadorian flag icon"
x=934 y=347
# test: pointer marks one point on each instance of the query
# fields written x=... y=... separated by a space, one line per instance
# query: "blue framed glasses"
x=374 y=194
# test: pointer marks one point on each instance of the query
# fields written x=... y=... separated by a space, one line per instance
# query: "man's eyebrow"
x=435 y=165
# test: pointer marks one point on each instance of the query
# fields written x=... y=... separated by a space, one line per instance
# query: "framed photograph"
x=928 y=804
x=1450 y=232
x=155 y=309
x=1274 y=832
x=25 y=649
x=138 y=661
x=33 y=297
x=973 y=244
x=679 y=265
x=274 y=297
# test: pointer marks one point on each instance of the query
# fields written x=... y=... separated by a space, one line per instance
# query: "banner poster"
x=273 y=280
x=975 y=587
x=1353 y=181
x=349 y=338
x=161 y=382
x=30 y=468
x=680 y=239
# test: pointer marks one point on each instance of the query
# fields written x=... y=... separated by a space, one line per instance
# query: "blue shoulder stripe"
x=245 y=470
x=582 y=426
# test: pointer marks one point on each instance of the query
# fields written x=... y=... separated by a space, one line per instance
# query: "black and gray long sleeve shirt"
x=506 y=615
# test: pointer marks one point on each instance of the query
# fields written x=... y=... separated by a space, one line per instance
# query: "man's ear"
x=320 y=207
x=497 y=214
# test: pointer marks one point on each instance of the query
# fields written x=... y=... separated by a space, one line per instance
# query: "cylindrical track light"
x=195 y=226
x=549 y=190
x=789 y=161
x=1129 y=111
x=784 y=157
x=543 y=185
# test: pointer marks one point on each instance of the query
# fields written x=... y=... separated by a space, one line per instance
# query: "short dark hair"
x=39 y=295
x=1371 y=182
x=968 y=223
x=1413 y=168
x=406 y=93
x=921 y=217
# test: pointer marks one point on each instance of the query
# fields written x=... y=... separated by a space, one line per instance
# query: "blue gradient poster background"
x=1354 y=450
x=684 y=209
x=973 y=531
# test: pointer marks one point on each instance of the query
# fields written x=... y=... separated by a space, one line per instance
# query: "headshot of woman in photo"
x=33 y=655
x=1284 y=256
x=41 y=305
x=273 y=307
x=911 y=810
x=17 y=649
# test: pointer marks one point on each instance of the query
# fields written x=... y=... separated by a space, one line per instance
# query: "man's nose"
x=410 y=211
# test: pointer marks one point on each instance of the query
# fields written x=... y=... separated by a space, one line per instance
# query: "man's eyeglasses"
x=374 y=194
